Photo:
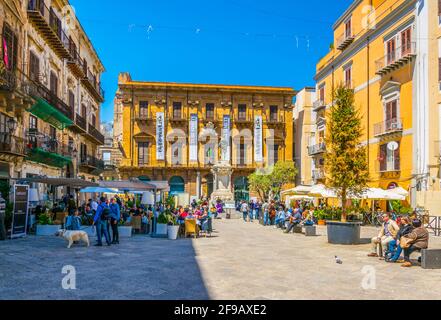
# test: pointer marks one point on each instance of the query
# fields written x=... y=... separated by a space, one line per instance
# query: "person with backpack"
x=101 y=221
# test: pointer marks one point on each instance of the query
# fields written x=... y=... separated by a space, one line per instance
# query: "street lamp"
x=12 y=124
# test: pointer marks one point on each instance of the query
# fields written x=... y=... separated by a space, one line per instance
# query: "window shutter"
x=439 y=7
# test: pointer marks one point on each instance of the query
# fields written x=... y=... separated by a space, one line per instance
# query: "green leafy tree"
x=345 y=161
x=269 y=183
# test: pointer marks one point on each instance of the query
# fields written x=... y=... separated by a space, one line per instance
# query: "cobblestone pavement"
x=241 y=261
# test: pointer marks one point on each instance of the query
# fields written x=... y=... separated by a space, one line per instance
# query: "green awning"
x=43 y=110
x=53 y=159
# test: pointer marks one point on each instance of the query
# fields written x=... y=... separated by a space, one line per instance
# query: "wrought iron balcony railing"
x=46 y=22
x=390 y=165
x=345 y=40
x=388 y=127
x=11 y=144
x=318 y=104
x=8 y=80
x=96 y=134
x=317 y=149
x=91 y=82
x=396 y=58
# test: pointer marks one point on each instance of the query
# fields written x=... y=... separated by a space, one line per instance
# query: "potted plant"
x=346 y=164
x=124 y=229
x=320 y=216
x=162 y=224
x=172 y=228
x=45 y=225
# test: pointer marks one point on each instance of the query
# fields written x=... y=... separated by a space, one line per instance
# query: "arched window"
x=241 y=189
x=177 y=185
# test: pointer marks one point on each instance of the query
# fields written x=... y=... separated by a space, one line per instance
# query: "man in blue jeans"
x=100 y=221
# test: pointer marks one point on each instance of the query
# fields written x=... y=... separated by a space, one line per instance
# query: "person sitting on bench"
x=417 y=240
x=294 y=221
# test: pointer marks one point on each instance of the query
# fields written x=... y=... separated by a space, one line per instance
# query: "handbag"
x=405 y=243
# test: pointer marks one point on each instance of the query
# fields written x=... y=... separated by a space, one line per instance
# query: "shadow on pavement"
x=140 y=268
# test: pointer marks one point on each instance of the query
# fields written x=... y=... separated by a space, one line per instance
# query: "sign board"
x=226 y=137
x=230 y=205
x=20 y=213
x=258 y=139
x=194 y=137
x=160 y=139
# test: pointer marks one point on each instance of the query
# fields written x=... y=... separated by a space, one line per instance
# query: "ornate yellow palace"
x=172 y=132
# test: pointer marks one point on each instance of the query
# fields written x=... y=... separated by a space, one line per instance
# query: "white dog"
x=73 y=235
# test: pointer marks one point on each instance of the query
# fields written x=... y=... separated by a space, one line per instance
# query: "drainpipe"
x=368 y=102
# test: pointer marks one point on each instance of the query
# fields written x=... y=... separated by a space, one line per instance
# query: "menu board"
x=20 y=213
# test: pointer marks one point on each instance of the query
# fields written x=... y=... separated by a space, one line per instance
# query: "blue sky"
x=251 y=42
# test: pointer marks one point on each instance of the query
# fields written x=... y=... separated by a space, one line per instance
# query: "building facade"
x=175 y=132
x=110 y=153
x=382 y=52
x=50 y=93
x=304 y=129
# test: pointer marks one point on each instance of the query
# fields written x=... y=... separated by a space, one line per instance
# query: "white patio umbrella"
x=321 y=191
x=299 y=190
x=399 y=190
x=379 y=194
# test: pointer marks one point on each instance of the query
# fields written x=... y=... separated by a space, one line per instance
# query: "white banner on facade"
x=160 y=133
x=194 y=137
x=226 y=137
x=258 y=139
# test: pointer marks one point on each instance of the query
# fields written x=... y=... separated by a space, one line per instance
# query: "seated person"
x=73 y=222
x=280 y=218
x=419 y=240
x=294 y=220
x=395 y=249
x=388 y=233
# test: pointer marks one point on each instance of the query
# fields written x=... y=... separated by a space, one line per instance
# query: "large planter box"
x=345 y=233
x=161 y=229
x=125 y=231
x=172 y=232
x=46 y=230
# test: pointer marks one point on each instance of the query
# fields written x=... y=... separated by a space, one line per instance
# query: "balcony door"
x=406 y=42
x=54 y=83
x=242 y=112
x=177 y=110
x=389 y=158
x=348 y=29
x=143 y=109
x=391 y=115
x=34 y=67
x=274 y=111
x=143 y=153
x=391 y=49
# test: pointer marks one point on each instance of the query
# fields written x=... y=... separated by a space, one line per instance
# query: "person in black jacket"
x=395 y=249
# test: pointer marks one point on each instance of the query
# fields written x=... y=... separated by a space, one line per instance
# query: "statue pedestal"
x=222 y=173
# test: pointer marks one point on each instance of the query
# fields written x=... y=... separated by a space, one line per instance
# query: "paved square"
x=241 y=261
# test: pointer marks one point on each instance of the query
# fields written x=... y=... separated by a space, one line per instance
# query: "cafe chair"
x=191 y=227
x=137 y=224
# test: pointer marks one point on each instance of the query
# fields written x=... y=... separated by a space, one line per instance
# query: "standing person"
x=244 y=210
x=115 y=217
x=93 y=205
x=219 y=209
x=251 y=210
x=257 y=208
x=101 y=221
x=194 y=204
x=71 y=205
x=265 y=208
